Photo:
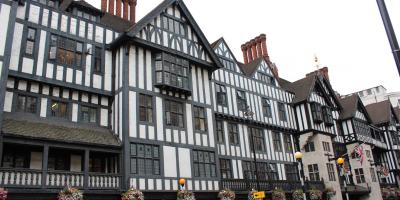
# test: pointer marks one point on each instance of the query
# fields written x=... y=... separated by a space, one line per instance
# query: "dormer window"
x=316 y=112
x=172 y=72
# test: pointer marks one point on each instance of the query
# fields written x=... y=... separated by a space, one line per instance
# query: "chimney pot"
x=118 y=8
x=254 y=48
x=125 y=14
x=249 y=53
x=111 y=7
x=104 y=5
x=133 y=4
x=244 y=51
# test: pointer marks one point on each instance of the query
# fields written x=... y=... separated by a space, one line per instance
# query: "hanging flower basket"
x=70 y=193
x=315 y=194
x=278 y=194
x=250 y=195
x=132 y=194
x=385 y=192
x=226 y=195
x=330 y=192
x=185 y=195
x=3 y=194
x=298 y=195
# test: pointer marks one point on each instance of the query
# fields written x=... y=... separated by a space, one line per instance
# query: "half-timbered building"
x=383 y=116
x=254 y=123
x=317 y=110
x=359 y=133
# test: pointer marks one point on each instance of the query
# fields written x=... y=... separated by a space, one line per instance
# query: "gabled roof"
x=81 y=4
x=250 y=68
x=131 y=32
x=380 y=112
x=43 y=130
x=302 y=88
x=116 y=23
x=350 y=105
x=397 y=112
x=216 y=44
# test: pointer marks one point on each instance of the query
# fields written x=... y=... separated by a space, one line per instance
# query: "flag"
x=359 y=151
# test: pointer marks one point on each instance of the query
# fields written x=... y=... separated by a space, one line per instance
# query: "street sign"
x=259 y=195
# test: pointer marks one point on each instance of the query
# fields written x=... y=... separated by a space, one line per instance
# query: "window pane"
x=29 y=47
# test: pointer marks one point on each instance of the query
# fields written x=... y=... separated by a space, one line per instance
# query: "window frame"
x=360 y=175
x=225 y=168
x=183 y=32
x=292 y=172
x=171 y=114
x=327 y=115
x=267 y=107
x=176 y=68
x=91 y=108
x=154 y=158
x=201 y=163
x=316 y=112
x=220 y=91
x=331 y=172
x=287 y=139
x=67 y=114
x=30 y=40
x=282 y=111
x=98 y=60
x=220 y=131
x=241 y=100
x=258 y=139
x=233 y=134
x=277 y=142
x=266 y=78
x=26 y=109
x=313 y=172
x=147 y=108
x=197 y=110
x=309 y=147
x=69 y=47
x=326 y=146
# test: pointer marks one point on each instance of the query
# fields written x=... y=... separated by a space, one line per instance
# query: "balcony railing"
x=21 y=178
x=289 y=186
x=27 y=178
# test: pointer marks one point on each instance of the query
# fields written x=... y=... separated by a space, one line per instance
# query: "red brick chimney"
x=255 y=48
x=125 y=9
x=323 y=71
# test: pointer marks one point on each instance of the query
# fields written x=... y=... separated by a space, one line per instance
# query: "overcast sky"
x=348 y=36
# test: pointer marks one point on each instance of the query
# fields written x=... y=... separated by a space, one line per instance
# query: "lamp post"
x=249 y=115
x=340 y=163
x=298 y=155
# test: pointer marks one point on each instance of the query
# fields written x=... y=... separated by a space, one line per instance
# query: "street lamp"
x=182 y=183
x=298 y=156
x=340 y=163
x=249 y=116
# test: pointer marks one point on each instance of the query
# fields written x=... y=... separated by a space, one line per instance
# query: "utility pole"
x=390 y=32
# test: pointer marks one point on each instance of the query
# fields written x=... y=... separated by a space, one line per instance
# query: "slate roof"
x=55 y=132
x=379 y=112
x=132 y=31
x=397 y=111
x=301 y=88
x=349 y=105
x=250 y=68
x=116 y=23
x=111 y=21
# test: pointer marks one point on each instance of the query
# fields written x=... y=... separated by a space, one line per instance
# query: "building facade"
x=95 y=100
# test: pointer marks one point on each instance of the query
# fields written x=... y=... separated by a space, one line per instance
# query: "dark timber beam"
x=390 y=32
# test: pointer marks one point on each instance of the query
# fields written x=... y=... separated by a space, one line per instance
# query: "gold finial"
x=316 y=62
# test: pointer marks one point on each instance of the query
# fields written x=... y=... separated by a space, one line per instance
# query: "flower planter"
x=70 y=194
x=132 y=194
x=278 y=194
x=3 y=194
x=185 y=195
x=226 y=195
x=315 y=194
x=298 y=195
